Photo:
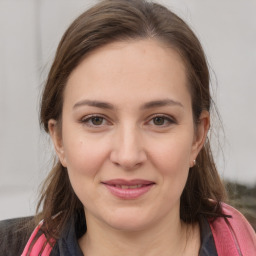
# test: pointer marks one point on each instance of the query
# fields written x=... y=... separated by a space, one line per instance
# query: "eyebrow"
x=94 y=103
x=161 y=103
x=148 y=105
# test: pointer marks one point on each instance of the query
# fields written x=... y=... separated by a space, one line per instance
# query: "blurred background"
x=30 y=32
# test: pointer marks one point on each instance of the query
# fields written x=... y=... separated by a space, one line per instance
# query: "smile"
x=129 y=187
x=124 y=189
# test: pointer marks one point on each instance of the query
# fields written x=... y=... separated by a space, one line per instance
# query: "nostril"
x=127 y=151
x=128 y=161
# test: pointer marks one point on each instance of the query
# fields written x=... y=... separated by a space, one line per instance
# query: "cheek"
x=84 y=164
x=172 y=156
x=83 y=155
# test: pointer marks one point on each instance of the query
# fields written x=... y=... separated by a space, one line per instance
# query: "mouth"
x=127 y=186
x=128 y=189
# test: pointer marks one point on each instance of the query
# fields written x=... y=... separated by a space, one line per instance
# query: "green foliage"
x=243 y=198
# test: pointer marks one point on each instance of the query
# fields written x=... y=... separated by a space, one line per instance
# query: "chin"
x=129 y=225
x=130 y=222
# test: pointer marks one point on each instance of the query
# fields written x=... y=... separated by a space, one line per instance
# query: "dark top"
x=15 y=233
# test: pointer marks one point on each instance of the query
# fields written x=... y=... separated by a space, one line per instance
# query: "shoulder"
x=233 y=233
x=14 y=234
x=237 y=221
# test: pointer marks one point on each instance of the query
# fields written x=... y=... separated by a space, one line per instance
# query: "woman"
x=127 y=105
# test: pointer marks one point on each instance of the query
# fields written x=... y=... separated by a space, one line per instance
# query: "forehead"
x=141 y=69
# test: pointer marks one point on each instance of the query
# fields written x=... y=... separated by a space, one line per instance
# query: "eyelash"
x=87 y=120
x=167 y=119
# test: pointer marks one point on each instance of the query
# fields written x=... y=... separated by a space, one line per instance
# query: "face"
x=128 y=137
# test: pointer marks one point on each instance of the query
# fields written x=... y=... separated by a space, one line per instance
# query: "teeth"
x=129 y=187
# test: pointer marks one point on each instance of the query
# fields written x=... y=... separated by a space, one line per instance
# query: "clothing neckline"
x=75 y=228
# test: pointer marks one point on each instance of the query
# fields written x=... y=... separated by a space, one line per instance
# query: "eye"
x=94 y=121
x=161 y=121
x=97 y=120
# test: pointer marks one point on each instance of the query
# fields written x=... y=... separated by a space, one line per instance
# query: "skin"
x=127 y=141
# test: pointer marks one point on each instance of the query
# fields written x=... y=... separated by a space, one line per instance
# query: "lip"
x=114 y=186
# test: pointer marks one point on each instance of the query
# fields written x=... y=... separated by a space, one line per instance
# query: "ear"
x=200 y=135
x=55 y=134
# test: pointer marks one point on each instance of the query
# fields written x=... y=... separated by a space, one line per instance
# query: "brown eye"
x=159 y=120
x=97 y=120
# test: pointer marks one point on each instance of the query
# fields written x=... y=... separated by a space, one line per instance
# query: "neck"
x=154 y=240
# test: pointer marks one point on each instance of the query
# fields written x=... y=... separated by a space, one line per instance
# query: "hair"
x=124 y=20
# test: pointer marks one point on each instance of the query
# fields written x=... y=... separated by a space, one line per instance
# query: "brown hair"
x=117 y=20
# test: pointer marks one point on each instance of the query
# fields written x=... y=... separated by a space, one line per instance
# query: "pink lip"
x=128 y=193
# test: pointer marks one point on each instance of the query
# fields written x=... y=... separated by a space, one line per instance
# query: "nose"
x=128 y=151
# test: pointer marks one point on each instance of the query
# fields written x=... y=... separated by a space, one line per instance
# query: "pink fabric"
x=41 y=242
x=233 y=236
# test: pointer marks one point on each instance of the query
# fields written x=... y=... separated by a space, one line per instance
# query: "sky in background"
x=30 y=32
